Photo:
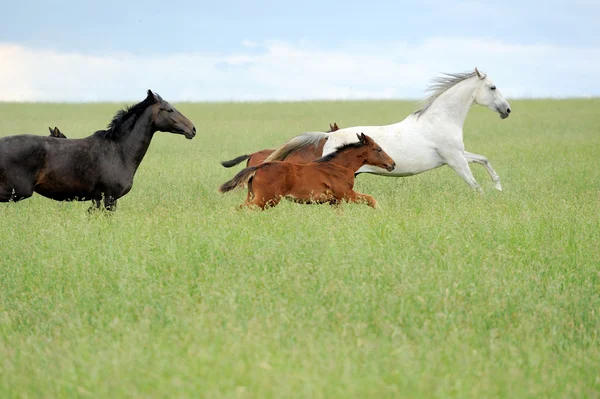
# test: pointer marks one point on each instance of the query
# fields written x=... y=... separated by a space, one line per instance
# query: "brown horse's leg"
x=359 y=198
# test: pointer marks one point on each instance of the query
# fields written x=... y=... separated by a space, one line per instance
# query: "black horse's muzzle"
x=190 y=134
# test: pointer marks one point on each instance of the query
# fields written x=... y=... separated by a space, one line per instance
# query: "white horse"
x=426 y=139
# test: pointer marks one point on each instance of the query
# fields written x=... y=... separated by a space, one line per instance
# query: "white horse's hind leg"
x=458 y=162
x=481 y=160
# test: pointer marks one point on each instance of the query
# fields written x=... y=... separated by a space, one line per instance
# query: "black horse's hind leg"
x=15 y=193
x=5 y=193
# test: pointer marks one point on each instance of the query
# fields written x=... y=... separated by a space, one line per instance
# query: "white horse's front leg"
x=458 y=162
x=481 y=160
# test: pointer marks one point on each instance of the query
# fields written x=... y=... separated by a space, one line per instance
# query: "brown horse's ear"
x=363 y=138
x=335 y=126
x=330 y=128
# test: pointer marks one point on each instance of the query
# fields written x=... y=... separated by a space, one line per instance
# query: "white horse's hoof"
x=498 y=186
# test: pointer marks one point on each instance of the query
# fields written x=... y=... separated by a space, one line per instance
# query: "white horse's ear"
x=479 y=74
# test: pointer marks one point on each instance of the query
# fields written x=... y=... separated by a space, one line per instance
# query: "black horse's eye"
x=170 y=110
x=493 y=88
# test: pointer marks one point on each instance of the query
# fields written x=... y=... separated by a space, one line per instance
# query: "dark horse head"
x=166 y=118
x=163 y=117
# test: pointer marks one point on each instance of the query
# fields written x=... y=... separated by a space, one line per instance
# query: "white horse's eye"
x=493 y=88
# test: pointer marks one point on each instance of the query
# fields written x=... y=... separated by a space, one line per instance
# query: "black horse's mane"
x=339 y=150
x=124 y=119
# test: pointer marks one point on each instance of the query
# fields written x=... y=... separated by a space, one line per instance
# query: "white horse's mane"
x=439 y=85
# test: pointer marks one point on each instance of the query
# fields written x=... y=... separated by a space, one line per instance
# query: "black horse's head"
x=167 y=119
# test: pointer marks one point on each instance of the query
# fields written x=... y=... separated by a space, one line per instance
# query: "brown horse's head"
x=56 y=133
x=167 y=119
x=375 y=155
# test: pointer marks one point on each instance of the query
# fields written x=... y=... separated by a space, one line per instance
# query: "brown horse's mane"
x=124 y=119
x=339 y=150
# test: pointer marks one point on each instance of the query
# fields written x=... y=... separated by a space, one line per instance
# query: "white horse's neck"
x=452 y=106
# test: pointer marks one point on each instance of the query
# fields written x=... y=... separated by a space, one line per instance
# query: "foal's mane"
x=339 y=150
x=124 y=119
x=439 y=85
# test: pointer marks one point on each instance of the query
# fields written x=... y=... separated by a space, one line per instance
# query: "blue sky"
x=240 y=50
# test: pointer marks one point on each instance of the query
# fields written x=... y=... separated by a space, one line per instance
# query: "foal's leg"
x=481 y=160
x=359 y=198
x=458 y=162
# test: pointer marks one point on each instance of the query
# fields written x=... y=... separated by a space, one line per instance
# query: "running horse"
x=428 y=138
x=329 y=179
x=98 y=167
x=305 y=155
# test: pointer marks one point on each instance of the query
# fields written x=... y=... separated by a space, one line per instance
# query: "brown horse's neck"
x=352 y=158
x=135 y=144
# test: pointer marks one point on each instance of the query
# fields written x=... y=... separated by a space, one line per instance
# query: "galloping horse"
x=99 y=166
x=428 y=138
x=56 y=133
x=305 y=155
x=328 y=179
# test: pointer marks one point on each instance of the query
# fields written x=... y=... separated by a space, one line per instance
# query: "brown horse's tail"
x=235 y=161
x=296 y=144
x=241 y=178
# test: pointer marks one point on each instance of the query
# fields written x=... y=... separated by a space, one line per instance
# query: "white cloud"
x=289 y=71
x=249 y=43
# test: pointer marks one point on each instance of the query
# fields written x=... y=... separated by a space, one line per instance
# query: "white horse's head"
x=488 y=95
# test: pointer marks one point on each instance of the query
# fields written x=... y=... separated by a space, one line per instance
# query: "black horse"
x=97 y=167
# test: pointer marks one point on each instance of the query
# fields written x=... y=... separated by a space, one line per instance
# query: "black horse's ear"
x=155 y=97
x=51 y=131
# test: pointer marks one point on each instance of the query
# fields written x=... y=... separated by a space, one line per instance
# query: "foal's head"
x=375 y=155
x=56 y=133
x=166 y=118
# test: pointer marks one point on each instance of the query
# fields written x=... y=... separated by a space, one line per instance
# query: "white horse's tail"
x=296 y=144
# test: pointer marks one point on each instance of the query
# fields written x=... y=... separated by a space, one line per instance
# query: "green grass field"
x=440 y=293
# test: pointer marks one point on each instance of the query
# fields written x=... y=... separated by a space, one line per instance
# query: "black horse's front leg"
x=110 y=203
x=95 y=206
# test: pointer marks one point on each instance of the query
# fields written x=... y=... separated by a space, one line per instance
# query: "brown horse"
x=328 y=179
x=56 y=133
x=306 y=155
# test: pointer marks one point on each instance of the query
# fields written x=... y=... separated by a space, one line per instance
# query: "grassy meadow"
x=441 y=292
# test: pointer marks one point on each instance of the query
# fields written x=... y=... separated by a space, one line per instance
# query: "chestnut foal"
x=329 y=179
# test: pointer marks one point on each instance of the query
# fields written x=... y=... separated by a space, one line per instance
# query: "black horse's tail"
x=235 y=161
x=241 y=178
